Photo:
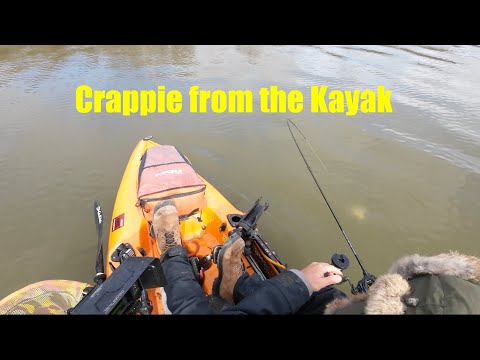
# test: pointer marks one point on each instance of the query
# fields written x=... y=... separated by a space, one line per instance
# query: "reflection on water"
x=403 y=182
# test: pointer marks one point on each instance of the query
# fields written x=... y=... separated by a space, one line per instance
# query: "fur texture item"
x=337 y=304
x=387 y=294
x=390 y=292
x=452 y=263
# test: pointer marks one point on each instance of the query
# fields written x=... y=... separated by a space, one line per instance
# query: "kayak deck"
x=200 y=233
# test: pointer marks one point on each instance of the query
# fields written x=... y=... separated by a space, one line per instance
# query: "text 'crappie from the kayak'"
x=270 y=100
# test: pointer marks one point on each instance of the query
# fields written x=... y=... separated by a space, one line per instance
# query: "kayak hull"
x=198 y=237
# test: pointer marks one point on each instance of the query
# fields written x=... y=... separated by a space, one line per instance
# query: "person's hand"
x=321 y=275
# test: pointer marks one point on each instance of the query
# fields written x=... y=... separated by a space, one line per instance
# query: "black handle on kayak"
x=249 y=221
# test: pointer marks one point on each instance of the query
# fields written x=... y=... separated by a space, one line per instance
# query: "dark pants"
x=284 y=294
x=184 y=293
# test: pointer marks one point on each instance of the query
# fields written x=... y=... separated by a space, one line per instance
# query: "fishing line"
x=308 y=142
x=365 y=273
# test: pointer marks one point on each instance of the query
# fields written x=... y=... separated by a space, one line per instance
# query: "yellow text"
x=127 y=102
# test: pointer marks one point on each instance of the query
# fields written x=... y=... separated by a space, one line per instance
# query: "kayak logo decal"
x=170 y=172
x=118 y=222
x=99 y=214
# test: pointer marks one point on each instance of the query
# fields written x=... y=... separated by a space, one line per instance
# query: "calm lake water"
x=402 y=182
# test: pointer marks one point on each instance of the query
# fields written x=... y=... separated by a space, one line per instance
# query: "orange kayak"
x=201 y=232
x=154 y=173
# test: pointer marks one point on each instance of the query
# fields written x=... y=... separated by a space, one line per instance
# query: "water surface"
x=401 y=182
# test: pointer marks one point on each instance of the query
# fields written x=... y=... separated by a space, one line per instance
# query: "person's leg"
x=282 y=294
x=319 y=300
x=246 y=285
x=183 y=291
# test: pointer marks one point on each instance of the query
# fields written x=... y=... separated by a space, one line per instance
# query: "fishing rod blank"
x=365 y=273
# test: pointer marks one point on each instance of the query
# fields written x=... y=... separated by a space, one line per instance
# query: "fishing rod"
x=368 y=279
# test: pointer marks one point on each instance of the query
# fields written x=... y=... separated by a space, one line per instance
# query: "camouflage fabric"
x=49 y=297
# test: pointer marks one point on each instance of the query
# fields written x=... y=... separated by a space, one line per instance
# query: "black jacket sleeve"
x=282 y=295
